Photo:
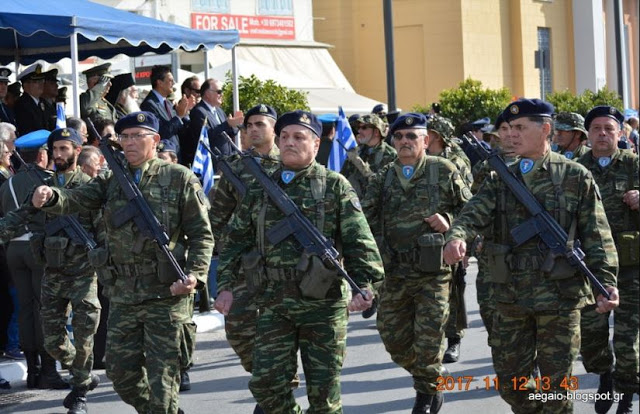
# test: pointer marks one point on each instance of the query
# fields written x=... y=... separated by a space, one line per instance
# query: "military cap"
x=261 y=109
x=98 y=70
x=65 y=134
x=167 y=146
x=140 y=119
x=303 y=118
x=33 y=72
x=379 y=109
x=527 y=107
x=4 y=74
x=603 y=110
x=411 y=120
x=441 y=125
x=570 y=121
x=375 y=121
x=33 y=141
x=479 y=123
x=328 y=119
x=499 y=120
x=15 y=88
x=51 y=75
x=62 y=94
x=354 y=118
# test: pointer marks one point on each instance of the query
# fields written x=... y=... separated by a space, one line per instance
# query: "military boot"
x=33 y=369
x=605 y=387
x=49 y=377
x=82 y=391
x=78 y=405
x=367 y=313
x=626 y=404
x=185 y=382
x=427 y=403
x=452 y=354
x=258 y=410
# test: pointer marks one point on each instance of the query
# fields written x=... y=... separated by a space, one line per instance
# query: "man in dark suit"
x=172 y=120
x=6 y=114
x=208 y=112
x=49 y=95
x=29 y=109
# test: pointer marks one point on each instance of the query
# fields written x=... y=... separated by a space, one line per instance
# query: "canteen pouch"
x=628 y=244
x=497 y=255
x=253 y=268
x=317 y=277
x=166 y=272
x=556 y=267
x=430 y=245
x=54 y=250
x=99 y=259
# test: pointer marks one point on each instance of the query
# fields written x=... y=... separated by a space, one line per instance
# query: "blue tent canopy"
x=36 y=29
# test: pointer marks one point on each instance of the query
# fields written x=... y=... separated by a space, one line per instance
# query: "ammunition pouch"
x=36 y=244
x=498 y=256
x=430 y=252
x=166 y=272
x=316 y=279
x=54 y=251
x=556 y=267
x=254 y=272
x=628 y=245
x=99 y=259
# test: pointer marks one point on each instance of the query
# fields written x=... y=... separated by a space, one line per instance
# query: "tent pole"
x=74 y=73
x=206 y=64
x=234 y=80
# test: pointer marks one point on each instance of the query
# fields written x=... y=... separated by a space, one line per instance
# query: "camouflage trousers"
x=81 y=292
x=188 y=340
x=412 y=314
x=318 y=329
x=486 y=302
x=143 y=352
x=520 y=335
x=240 y=325
x=597 y=355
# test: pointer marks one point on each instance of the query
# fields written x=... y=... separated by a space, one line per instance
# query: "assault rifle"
x=541 y=223
x=137 y=209
x=69 y=224
x=294 y=223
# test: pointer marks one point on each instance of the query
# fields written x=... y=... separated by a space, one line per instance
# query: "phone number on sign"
x=464 y=383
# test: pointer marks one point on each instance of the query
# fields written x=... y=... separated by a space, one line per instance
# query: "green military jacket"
x=24 y=181
x=339 y=217
x=140 y=270
x=577 y=198
x=12 y=223
x=576 y=153
x=456 y=155
x=396 y=212
x=94 y=106
x=375 y=158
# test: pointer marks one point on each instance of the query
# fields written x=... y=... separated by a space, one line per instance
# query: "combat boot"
x=82 y=391
x=367 y=313
x=49 y=377
x=78 y=405
x=33 y=369
x=258 y=410
x=626 y=404
x=605 y=388
x=452 y=354
x=185 y=382
x=427 y=403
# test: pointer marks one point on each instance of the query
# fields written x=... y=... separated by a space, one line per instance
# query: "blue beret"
x=141 y=119
x=603 y=110
x=167 y=146
x=65 y=134
x=354 y=118
x=303 y=118
x=328 y=118
x=527 y=107
x=499 y=121
x=480 y=123
x=33 y=140
x=261 y=109
x=412 y=120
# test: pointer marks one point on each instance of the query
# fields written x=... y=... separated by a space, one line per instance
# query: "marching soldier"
x=570 y=136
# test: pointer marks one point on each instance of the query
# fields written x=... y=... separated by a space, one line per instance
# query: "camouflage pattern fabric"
x=578 y=152
x=620 y=176
x=375 y=158
x=531 y=303
x=288 y=321
x=12 y=223
x=145 y=320
x=94 y=106
x=414 y=305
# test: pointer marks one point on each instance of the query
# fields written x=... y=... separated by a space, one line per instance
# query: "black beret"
x=499 y=121
x=603 y=110
x=379 y=109
x=167 y=146
x=412 y=120
x=527 y=107
x=141 y=119
x=303 y=118
x=64 y=134
x=261 y=109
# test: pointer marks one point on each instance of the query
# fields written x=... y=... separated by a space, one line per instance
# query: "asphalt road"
x=371 y=382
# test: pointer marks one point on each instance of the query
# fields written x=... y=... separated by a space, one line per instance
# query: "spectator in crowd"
x=123 y=95
x=80 y=126
x=191 y=87
x=91 y=161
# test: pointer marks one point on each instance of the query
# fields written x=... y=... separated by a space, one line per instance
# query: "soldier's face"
x=565 y=138
x=504 y=131
x=298 y=146
x=259 y=131
x=368 y=135
x=65 y=155
x=529 y=137
x=604 y=134
x=140 y=146
x=34 y=87
x=410 y=144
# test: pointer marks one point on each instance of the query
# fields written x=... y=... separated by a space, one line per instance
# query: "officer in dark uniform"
x=6 y=114
x=29 y=108
x=49 y=95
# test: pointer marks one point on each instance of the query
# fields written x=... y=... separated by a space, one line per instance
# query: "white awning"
x=327 y=100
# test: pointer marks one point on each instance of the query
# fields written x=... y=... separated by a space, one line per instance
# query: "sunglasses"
x=409 y=135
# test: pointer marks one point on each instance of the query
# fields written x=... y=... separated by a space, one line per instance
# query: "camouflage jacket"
x=576 y=153
x=141 y=271
x=577 y=199
x=12 y=223
x=342 y=221
x=375 y=157
x=24 y=181
x=94 y=106
x=396 y=215
x=456 y=155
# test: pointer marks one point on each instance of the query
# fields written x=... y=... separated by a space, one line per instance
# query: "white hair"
x=5 y=131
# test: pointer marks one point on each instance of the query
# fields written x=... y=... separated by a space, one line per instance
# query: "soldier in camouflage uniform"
x=570 y=136
x=409 y=204
x=93 y=104
x=442 y=144
x=616 y=172
x=148 y=307
x=12 y=223
x=538 y=312
x=316 y=323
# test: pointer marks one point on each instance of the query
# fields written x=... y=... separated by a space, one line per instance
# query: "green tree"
x=566 y=101
x=252 y=91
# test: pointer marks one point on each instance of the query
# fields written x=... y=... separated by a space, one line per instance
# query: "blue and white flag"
x=342 y=142
x=61 y=118
x=202 y=164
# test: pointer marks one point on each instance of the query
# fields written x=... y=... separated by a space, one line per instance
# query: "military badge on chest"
x=287 y=176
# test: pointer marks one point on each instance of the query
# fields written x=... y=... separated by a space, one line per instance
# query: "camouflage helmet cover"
x=570 y=121
x=375 y=121
x=442 y=126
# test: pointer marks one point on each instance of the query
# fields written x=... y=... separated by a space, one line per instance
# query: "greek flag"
x=61 y=118
x=342 y=142
x=202 y=165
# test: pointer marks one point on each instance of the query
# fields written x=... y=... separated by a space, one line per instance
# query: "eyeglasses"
x=135 y=137
x=218 y=91
x=409 y=135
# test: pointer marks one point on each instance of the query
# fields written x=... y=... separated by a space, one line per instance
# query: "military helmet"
x=570 y=121
x=375 y=121
x=442 y=126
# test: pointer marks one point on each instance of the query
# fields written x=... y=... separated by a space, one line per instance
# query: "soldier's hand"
x=630 y=198
x=183 y=288
x=41 y=195
x=223 y=302
x=604 y=305
x=358 y=303
x=454 y=251
x=236 y=119
x=438 y=223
